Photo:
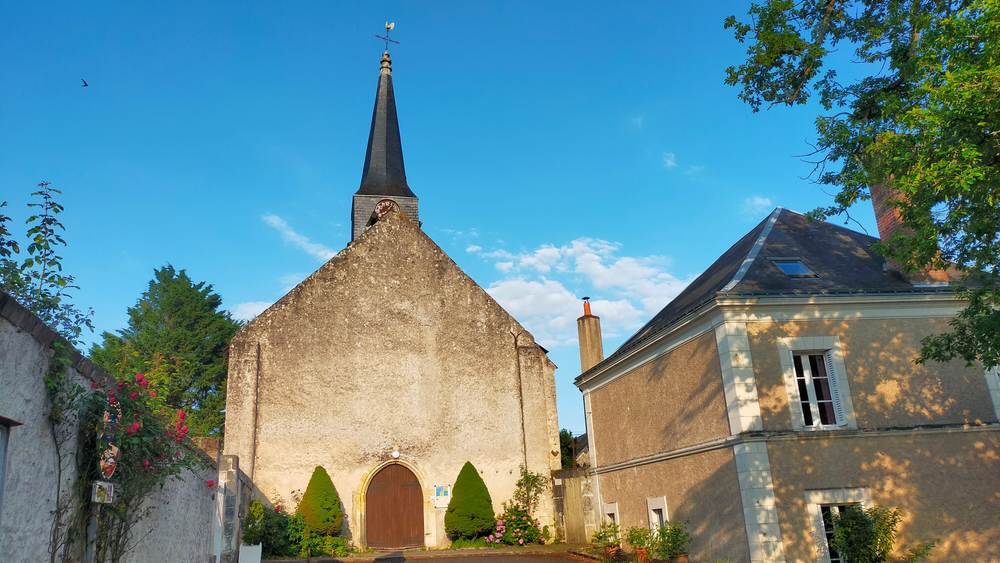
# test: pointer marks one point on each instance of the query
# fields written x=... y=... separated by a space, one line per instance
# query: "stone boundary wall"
x=179 y=527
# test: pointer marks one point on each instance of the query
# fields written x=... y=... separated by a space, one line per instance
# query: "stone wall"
x=182 y=509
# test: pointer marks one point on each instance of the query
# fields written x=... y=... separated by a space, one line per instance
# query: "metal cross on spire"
x=388 y=28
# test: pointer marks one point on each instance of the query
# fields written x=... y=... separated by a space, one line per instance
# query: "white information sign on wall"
x=442 y=495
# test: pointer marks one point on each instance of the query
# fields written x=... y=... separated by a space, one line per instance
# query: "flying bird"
x=84 y=84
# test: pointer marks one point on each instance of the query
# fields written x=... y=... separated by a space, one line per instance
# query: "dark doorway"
x=394 y=509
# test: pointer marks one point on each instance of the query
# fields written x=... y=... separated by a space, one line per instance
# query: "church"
x=391 y=368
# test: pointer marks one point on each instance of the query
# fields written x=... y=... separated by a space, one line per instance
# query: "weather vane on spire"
x=388 y=28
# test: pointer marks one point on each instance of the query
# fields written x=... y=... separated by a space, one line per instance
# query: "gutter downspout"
x=520 y=396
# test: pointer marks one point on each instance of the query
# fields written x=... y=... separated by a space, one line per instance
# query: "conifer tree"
x=177 y=335
x=320 y=507
x=470 y=512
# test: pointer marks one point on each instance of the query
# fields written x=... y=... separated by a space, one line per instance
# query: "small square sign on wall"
x=442 y=495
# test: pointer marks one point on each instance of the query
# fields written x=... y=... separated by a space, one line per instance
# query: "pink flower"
x=211 y=483
x=111 y=393
x=524 y=518
x=130 y=430
x=184 y=430
x=93 y=385
x=181 y=415
x=521 y=541
x=152 y=393
x=134 y=395
x=121 y=385
x=138 y=377
x=277 y=508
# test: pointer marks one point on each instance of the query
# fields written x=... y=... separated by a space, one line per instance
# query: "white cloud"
x=289 y=281
x=754 y=206
x=473 y=248
x=631 y=289
x=669 y=160
x=694 y=170
x=321 y=252
x=247 y=311
x=637 y=122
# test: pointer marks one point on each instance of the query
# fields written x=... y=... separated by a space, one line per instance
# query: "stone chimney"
x=889 y=223
x=591 y=346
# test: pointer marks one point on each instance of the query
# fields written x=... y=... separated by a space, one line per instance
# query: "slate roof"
x=384 y=173
x=842 y=260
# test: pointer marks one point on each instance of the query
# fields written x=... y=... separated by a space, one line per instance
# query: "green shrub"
x=670 y=540
x=266 y=527
x=639 y=538
x=320 y=507
x=470 y=512
x=868 y=536
x=608 y=535
x=516 y=527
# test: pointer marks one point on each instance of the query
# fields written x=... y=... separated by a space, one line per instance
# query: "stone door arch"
x=394 y=509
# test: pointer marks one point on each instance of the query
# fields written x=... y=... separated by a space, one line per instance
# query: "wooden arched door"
x=394 y=509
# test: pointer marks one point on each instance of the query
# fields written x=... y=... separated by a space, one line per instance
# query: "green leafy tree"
x=922 y=120
x=470 y=511
x=320 y=508
x=37 y=282
x=177 y=336
x=868 y=536
x=566 y=449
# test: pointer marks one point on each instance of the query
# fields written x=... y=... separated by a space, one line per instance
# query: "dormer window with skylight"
x=794 y=268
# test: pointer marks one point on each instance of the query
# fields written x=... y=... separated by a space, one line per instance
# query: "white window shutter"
x=834 y=379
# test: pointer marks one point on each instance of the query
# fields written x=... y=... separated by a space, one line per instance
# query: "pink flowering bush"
x=516 y=527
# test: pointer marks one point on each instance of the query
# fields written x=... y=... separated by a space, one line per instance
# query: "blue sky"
x=558 y=149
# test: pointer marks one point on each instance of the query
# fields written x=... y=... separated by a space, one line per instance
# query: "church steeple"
x=383 y=181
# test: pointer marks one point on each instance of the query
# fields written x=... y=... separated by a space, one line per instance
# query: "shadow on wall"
x=703 y=407
x=715 y=510
x=887 y=387
x=945 y=485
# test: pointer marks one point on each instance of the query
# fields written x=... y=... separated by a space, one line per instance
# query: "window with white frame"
x=822 y=506
x=611 y=512
x=816 y=383
x=657 y=512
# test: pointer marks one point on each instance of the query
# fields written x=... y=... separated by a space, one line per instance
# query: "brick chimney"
x=591 y=346
x=889 y=223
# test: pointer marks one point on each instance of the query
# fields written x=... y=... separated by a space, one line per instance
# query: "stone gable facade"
x=390 y=354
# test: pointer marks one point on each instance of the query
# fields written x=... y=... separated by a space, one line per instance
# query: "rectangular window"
x=828 y=511
x=822 y=505
x=657 y=518
x=818 y=394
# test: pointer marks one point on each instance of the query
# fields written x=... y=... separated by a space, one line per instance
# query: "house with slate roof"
x=780 y=386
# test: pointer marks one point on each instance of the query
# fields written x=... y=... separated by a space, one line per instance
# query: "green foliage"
x=148 y=435
x=470 y=511
x=269 y=528
x=37 y=282
x=515 y=526
x=304 y=542
x=925 y=120
x=177 y=335
x=868 y=536
x=670 y=540
x=528 y=489
x=608 y=535
x=463 y=543
x=320 y=508
x=639 y=537
x=566 y=449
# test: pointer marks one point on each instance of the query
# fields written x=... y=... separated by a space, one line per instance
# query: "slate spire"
x=384 y=174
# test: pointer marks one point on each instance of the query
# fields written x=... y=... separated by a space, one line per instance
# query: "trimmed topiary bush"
x=470 y=512
x=320 y=507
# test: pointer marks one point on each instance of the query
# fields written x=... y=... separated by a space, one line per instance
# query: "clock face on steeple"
x=385 y=206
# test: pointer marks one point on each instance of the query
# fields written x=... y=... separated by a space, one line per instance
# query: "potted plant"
x=609 y=537
x=671 y=542
x=639 y=539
